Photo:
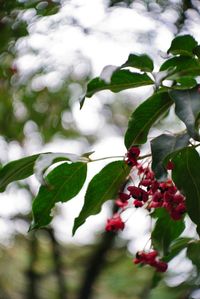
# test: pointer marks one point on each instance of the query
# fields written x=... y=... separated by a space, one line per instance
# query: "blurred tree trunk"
x=32 y=276
x=56 y=252
x=95 y=264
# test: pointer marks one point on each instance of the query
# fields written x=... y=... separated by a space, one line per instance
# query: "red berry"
x=124 y=196
x=115 y=223
x=136 y=192
x=170 y=165
x=137 y=203
x=161 y=266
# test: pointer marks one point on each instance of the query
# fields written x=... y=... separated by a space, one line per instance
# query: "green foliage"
x=145 y=116
x=142 y=62
x=120 y=80
x=183 y=45
x=187 y=108
x=165 y=231
x=161 y=147
x=186 y=177
x=44 y=161
x=176 y=247
x=17 y=170
x=104 y=186
x=63 y=183
x=193 y=253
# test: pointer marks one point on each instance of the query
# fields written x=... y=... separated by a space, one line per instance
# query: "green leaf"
x=183 y=45
x=176 y=247
x=16 y=170
x=196 y=51
x=64 y=182
x=120 y=80
x=187 y=108
x=165 y=231
x=161 y=147
x=186 y=177
x=183 y=69
x=180 y=63
x=185 y=83
x=193 y=253
x=104 y=186
x=44 y=161
x=142 y=62
x=145 y=116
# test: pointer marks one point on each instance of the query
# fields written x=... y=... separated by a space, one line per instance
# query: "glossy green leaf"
x=104 y=186
x=161 y=147
x=64 y=182
x=142 y=62
x=186 y=177
x=165 y=231
x=120 y=80
x=17 y=170
x=193 y=253
x=187 y=108
x=145 y=116
x=183 y=45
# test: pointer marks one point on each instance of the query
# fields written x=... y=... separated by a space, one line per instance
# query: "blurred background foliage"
x=35 y=109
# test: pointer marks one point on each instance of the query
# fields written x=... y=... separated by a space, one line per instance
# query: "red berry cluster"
x=132 y=155
x=115 y=223
x=151 y=194
x=151 y=259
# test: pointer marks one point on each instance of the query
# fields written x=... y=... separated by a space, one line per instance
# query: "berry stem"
x=115 y=157
x=104 y=158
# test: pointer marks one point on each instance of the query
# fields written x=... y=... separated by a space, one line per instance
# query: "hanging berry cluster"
x=149 y=194
x=151 y=259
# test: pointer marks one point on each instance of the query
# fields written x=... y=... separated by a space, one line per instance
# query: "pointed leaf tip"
x=104 y=186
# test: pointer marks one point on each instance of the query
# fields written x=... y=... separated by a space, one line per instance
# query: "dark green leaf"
x=17 y=170
x=176 y=247
x=196 y=51
x=120 y=80
x=64 y=182
x=142 y=62
x=187 y=108
x=183 y=69
x=104 y=186
x=161 y=147
x=165 y=231
x=186 y=177
x=185 y=83
x=183 y=45
x=145 y=116
x=180 y=63
x=44 y=161
x=157 y=277
x=193 y=253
